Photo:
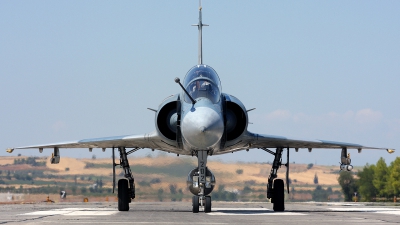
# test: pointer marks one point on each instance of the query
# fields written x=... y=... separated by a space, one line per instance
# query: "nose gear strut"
x=200 y=199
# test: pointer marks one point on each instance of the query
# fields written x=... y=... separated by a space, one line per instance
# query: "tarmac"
x=180 y=213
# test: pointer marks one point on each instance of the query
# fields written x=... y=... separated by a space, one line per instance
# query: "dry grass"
x=4 y=160
x=225 y=172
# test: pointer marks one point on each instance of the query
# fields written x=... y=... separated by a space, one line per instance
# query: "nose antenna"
x=200 y=27
x=178 y=81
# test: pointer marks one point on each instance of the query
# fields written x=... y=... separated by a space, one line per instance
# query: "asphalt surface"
x=180 y=213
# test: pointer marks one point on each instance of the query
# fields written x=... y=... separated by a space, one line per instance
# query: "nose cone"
x=202 y=128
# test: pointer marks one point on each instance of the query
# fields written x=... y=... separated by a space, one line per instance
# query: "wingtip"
x=390 y=151
x=10 y=150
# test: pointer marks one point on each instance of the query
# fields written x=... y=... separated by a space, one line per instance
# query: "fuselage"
x=202 y=123
x=201 y=117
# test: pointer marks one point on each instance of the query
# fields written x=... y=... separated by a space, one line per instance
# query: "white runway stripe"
x=250 y=212
x=397 y=212
x=392 y=211
x=348 y=209
x=75 y=212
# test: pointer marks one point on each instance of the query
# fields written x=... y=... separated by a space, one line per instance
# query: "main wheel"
x=123 y=195
x=195 y=203
x=207 y=207
x=279 y=195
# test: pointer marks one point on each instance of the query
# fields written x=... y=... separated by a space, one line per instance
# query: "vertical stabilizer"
x=200 y=27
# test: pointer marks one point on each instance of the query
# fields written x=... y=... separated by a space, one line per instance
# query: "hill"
x=157 y=178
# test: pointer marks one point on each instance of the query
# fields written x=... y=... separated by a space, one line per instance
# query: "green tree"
x=394 y=177
x=315 y=179
x=8 y=177
x=319 y=194
x=365 y=187
x=348 y=184
x=172 y=188
x=101 y=183
x=380 y=177
x=73 y=189
x=160 y=193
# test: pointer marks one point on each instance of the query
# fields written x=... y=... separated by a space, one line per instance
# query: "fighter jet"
x=202 y=121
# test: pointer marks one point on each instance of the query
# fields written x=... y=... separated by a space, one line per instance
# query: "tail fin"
x=200 y=27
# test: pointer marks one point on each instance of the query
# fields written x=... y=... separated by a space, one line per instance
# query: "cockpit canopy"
x=202 y=81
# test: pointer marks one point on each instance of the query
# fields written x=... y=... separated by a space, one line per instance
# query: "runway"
x=180 y=213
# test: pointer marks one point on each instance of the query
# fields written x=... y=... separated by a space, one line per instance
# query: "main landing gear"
x=201 y=182
x=126 y=187
x=276 y=187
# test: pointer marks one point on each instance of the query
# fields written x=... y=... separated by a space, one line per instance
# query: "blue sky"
x=313 y=69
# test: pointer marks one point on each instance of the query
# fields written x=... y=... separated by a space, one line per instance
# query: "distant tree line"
x=222 y=195
x=319 y=194
x=374 y=181
x=29 y=161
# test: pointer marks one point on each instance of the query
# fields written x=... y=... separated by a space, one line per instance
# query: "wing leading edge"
x=272 y=141
x=134 y=141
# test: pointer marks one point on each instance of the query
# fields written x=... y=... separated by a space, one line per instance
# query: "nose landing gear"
x=204 y=201
x=201 y=182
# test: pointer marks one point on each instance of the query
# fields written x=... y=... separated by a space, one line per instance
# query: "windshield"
x=203 y=88
x=202 y=81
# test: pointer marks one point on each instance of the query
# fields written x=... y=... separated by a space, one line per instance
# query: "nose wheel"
x=195 y=203
x=207 y=207
x=204 y=201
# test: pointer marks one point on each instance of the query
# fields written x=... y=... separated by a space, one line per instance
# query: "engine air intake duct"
x=236 y=120
x=167 y=120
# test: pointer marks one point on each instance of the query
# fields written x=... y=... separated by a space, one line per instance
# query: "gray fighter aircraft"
x=202 y=121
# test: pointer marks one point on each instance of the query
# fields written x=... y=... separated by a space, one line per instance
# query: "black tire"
x=195 y=203
x=207 y=207
x=279 y=195
x=123 y=195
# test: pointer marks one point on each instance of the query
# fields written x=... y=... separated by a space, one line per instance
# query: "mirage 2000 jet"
x=202 y=121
